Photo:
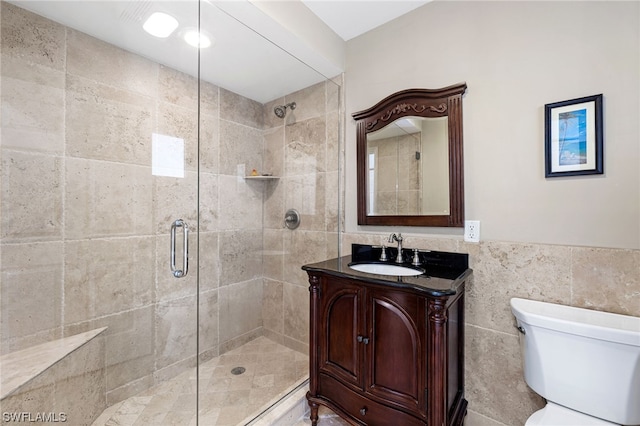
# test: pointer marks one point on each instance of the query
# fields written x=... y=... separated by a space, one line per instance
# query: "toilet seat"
x=557 y=415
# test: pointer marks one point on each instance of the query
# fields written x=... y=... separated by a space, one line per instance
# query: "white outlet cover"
x=472 y=231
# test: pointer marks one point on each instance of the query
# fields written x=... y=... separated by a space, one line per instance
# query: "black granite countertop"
x=443 y=276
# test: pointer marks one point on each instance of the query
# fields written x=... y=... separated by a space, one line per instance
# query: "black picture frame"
x=573 y=137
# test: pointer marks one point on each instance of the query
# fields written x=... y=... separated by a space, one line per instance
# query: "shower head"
x=281 y=110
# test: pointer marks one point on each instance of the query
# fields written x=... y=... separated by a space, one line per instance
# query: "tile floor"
x=326 y=417
x=271 y=370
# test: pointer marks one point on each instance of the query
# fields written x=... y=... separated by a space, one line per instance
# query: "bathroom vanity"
x=388 y=349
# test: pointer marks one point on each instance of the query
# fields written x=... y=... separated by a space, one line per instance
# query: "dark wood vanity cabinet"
x=383 y=355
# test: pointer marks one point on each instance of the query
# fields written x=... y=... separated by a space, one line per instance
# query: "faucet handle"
x=416 y=258
x=383 y=254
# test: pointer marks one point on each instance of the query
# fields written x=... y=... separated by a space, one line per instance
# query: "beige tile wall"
x=303 y=148
x=85 y=225
x=594 y=278
x=86 y=254
x=32 y=178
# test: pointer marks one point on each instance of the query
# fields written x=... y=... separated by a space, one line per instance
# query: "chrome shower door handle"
x=180 y=273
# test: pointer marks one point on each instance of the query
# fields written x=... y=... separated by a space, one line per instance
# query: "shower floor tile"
x=226 y=399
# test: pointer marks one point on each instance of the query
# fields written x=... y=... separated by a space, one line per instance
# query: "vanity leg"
x=314 y=413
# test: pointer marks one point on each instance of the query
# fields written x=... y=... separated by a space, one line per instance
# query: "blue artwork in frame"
x=573 y=137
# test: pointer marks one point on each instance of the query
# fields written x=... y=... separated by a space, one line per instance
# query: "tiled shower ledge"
x=20 y=367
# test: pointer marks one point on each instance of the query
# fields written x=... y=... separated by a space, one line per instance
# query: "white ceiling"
x=350 y=18
x=240 y=59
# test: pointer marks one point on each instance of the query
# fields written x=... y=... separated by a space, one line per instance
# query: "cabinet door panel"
x=396 y=342
x=341 y=352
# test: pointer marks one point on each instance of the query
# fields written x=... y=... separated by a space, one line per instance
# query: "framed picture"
x=573 y=137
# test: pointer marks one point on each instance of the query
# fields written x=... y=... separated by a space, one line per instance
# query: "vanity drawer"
x=361 y=408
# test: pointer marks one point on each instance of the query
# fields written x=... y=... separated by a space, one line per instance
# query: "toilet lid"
x=557 y=415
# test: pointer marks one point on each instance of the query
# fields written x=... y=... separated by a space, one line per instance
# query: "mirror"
x=409 y=159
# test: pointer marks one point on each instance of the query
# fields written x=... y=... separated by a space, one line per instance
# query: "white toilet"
x=585 y=363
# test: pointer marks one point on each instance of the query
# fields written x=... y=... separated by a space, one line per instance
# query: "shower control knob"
x=292 y=219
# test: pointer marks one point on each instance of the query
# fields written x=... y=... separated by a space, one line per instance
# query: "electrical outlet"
x=472 y=231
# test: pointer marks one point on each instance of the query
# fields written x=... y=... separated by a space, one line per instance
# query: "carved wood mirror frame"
x=415 y=103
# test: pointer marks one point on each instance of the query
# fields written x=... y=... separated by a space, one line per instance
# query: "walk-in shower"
x=109 y=137
x=281 y=110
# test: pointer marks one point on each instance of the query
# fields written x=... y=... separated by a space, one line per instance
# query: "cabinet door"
x=396 y=353
x=340 y=319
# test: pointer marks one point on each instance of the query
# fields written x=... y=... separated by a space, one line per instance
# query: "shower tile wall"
x=32 y=207
x=77 y=120
x=302 y=148
x=85 y=224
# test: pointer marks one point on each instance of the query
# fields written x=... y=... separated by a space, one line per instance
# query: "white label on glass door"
x=167 y=156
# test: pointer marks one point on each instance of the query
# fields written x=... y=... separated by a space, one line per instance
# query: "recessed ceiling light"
x=160 y=24
x=197 y=39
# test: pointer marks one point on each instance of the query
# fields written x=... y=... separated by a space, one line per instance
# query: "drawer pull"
x=359 y=338
x=363 y=411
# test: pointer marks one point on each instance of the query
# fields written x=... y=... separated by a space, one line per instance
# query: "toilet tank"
x=585 y=360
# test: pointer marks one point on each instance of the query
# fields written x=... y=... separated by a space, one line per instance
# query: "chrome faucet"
x=398 y=238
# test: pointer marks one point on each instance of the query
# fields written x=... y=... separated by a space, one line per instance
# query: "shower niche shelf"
x=263 y=178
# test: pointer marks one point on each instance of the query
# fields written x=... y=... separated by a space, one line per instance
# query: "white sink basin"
x=386 y=269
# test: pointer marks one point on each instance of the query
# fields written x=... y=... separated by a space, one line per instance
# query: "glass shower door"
x=99 y=145
x=269 y=142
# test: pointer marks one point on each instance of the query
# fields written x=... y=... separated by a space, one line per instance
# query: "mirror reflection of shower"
x=281 y=110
